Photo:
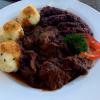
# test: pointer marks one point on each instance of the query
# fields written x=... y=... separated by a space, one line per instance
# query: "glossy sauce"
x=16 y=77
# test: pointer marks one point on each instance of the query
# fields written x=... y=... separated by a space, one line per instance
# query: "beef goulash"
x=47 y=48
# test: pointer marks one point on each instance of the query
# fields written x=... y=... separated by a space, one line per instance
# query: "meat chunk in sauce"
x=53 y=76
x=78 y=64
x=46 y=38
x=32 y=39
x=27 y=64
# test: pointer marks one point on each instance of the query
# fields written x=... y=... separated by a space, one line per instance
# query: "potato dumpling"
x=13 y=30
x=3 y=37
x=10 y=54
x=29 y=16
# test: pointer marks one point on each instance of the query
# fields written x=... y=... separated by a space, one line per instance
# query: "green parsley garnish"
x=76 y=43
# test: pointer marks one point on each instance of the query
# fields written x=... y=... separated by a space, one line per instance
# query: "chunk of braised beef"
x=49 y=51
x=31 y=40
x=56 y=61
x=28 y=41
x=24 y=68
x=28 y=61
x=37 y=31
x=26 y=72
x=47 y=37
x=53 y=76
x=28 y=69
x=77 y=63
x=28 y=29
x=32 y=56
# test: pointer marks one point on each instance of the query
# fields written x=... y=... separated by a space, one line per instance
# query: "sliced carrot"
x=93 y=43
x=94 y=53
x=90 y=55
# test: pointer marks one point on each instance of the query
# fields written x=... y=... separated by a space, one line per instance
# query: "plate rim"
x=17 y=3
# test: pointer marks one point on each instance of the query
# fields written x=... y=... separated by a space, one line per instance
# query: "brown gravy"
x=16 y=77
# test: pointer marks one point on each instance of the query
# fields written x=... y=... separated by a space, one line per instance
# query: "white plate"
x=83 y=88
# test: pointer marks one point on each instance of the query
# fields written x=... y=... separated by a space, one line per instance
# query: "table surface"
x=94 y=3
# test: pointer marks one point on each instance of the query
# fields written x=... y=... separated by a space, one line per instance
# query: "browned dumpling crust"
x=10 y=54
x=29 y=16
